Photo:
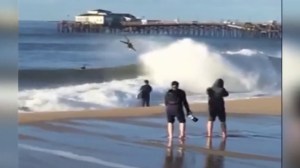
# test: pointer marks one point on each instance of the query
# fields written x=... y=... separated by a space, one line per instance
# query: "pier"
x=218 y=30
x=103 y=21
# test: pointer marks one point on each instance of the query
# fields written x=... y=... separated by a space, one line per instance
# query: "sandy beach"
x=264 y=106
x=131 y=137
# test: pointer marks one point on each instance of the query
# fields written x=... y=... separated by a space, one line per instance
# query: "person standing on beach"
x=175 y=99
x=216 y=106
x=144 y=94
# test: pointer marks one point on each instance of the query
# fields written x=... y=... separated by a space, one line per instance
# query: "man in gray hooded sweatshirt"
x=216 y=106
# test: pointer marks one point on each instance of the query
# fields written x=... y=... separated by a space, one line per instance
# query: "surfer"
x=129 y=44
x=144 y=94
x=83 y=67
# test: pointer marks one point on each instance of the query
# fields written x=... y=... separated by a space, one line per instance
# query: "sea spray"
x=196 y=67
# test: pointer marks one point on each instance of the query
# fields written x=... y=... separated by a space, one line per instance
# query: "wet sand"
x=267 y=106
x=137 y=139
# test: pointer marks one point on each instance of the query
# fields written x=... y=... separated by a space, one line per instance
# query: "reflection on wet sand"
x=215 y=161
x=176 y=161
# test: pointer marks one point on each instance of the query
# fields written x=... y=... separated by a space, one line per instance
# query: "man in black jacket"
x=144 y=94
x=216 y=106
x=175 y=99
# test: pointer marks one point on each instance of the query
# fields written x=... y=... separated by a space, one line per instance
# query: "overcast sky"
x=201 y=10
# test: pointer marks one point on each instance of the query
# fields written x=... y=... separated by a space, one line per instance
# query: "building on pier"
x=115 y=20
x=104 y=17
x=96 y=16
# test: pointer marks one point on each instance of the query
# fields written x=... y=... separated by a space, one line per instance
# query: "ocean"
x=50 y=78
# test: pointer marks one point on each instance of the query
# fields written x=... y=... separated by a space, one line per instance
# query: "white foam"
x=74 y=156
x=245 y=52
x=80 y=97
x=196 y=67
x=100 y=96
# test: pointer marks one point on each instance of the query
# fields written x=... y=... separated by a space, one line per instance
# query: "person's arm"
x=209 y=92
x=225 y=93
x=166 y=102
x=139 y=95
x=185 y=103
x=142 y=88
x=150 y=89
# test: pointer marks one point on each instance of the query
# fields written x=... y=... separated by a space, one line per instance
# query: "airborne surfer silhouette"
x=129 y=44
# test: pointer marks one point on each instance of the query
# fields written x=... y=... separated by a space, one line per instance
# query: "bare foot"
x=181 y=136
x=224 y=136
x=209 y=135
x=170 y=142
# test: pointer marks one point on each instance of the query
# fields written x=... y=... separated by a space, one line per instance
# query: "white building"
x=144 y=21
x=93 y=17
x=103 y=17
x=273 y=22
x=99 y=11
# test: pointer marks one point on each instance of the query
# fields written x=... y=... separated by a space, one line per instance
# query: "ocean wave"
x=195 y=65
x=116 y=93
x=113 y=94
x=35 y=78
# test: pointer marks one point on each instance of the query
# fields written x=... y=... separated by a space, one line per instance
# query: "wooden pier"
x=217 y=30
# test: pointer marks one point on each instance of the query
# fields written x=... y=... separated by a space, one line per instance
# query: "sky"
x=200 y=10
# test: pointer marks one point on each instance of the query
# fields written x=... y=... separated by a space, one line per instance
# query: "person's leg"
x=142 y=102
x=182 y=127
x=170 y=142
x=210 y=123
x=224 y=129
x=209 y=128
x=170 y=125
x=170 y=130
x=148 y=102
x=181 y=130
x=209 y=142
x=222 y=118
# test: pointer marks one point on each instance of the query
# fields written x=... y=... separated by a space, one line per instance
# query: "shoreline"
x=257 y=106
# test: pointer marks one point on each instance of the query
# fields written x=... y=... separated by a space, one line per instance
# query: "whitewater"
x=196 y=65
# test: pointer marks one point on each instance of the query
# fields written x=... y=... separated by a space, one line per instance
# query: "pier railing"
x=156 y=27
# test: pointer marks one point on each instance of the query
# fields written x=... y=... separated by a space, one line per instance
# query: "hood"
x=219 y=83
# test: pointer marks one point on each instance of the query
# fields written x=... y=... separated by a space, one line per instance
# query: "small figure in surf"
x=216 y=106
x=129 y=44
x=144 y=94
x=83 y=67
x=175 y=100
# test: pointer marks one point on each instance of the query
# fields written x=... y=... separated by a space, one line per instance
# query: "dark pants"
x=220 y=114
x=216 y=109
x=179 y=115
x=145 y=102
